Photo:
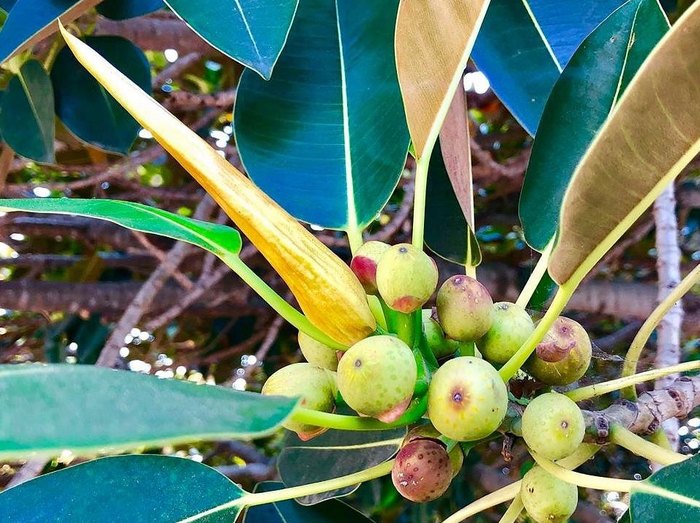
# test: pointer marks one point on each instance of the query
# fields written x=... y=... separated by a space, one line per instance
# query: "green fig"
x=563 y=356
x=364 y=264
x=317 y=353
x=422 y=470
x=316 y=387
x=547 y=499
x=435 y=337
x=376 y=377
x=467 y=399
x=464 y=308
x=406 y=277
x=553 y=425
x=510 y=328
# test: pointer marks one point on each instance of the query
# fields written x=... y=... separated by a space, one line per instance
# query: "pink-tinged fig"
x=364 y=264
x=422 y=471
x=406 y=277
x=510 y=328
x=427 y=431
x=464 y=308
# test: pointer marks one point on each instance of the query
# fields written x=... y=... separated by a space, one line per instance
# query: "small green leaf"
x=27 y=114
x=124 y=9
x=85 y=409
x=157 y=489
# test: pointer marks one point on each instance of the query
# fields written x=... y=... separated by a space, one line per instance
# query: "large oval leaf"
x=581 y=100
x=27 y=114
x=326 y=137
x=123 y=9
x=122 y=489
x=87 y=110
x=249 y=31
x=651 y=135
x=84 y=409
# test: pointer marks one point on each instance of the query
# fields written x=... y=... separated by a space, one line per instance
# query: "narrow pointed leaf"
x=326 y=137
x=157 y=489
x=581 y=100
x=651 y=135
x=249 y=31
x=124 y=9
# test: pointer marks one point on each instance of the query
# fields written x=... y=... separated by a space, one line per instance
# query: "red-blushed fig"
x=315 y=386
x=406 y=277
x=564 y=354
x=317 y=353
x=553 y=425
x=435 y=337
x=427 y=431
x=547 y=499
x=464 y=308
x=467 y=399
x=364 y=264
x=376 y=377
x=510 y=328
x=422 y=471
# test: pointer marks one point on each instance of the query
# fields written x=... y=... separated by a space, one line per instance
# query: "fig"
x=510 y=328
x=464 y=308
x=564 y=354
x=422 y=471
x=316 y=387
x=553 y=425
x=406 y=277
x=467 y=399
x=364 y=264
x=427 y=431
x=435 y=337
x=547 y=499
x=376 y=377
x=317 y=353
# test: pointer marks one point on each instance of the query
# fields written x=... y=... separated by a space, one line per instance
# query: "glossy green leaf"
x=333 y=454
x=27 y=113
x=581 y=100
x=85 y=409
x=252 y=32
x=217 y=239
x=120 y=489
x=326 y=137
x=124 y=9
x=333 y=511
x=85 y=107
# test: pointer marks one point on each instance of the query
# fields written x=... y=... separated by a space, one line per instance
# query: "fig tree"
x=510 y=328
x=364 y=264
x=464 y=308
x=547 y=499
x=435 y=337
x=376 y=377
x=553 y=425
x=422 y=471
x=467 y=399
x=317 y=353
x=406 y=277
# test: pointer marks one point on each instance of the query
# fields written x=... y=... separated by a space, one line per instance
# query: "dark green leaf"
x=326 y=137
x=333 y=454
x=85 y=409
x=581 y=100
x=252 y=32
x=85 y=107
x=123 y=9
x=27 y=114
x=123 y=489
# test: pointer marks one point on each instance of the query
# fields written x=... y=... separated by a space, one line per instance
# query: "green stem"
x=640 y=340
x=419 y=195
x=404 y=327
x=467 y=348
x=583 y=480
x=491 y=500
x=354 y=238
x=377 y=311
x=534 y=280
x=641 y=447
x=514 y=510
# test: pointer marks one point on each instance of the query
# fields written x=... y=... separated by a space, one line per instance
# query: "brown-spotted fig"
x=467 y=399
x=422 y=471
x=546 y=498
x=364 y=264
x=317 y=353
x=406 y=277
x=376 y=377
x=564 y=354
x=315 y=386
x=510 y=328
x=435 y=337
x=464 y=308
x=553 y=426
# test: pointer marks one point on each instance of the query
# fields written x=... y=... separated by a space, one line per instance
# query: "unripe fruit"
x=422 y=471
x=511 y=326
x=564 y=354
x=364 y=264
x=317 y=353
x=435 y=337
x=553 y=425
x=376 y=377
x=464 y=308
x=547 y=499
x=316 y=387
x=406 y=277
x=467 y=399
